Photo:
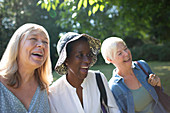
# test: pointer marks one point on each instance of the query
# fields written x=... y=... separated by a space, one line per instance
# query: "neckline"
x=137 y=89
x=8 y=91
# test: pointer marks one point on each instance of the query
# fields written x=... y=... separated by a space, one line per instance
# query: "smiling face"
x=122 y=57
x=33 y=49
x=78 y=59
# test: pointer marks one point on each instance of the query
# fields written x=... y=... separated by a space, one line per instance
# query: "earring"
x=66 y=64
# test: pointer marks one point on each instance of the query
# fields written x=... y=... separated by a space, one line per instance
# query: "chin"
x=83 y=76
x=37 y=64
x=34 y=63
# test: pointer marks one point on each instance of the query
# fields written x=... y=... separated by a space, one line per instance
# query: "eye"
x=79 y=55
x=126 y=49
x=33 y=38
x=45 y=42
x=119 y=53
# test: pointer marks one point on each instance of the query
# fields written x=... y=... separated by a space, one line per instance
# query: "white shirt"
x=64 y=99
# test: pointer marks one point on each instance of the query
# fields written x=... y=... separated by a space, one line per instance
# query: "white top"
x=64 y=99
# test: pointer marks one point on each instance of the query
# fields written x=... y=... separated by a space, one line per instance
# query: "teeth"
x=126 y=60
x=84 y=67
x=38 y=54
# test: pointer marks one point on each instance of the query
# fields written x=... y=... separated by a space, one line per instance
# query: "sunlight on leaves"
x=91 y=2
x=53 y=7
x=56 y=3
x=42 y=5
x=80 y=4
x=39 y=2
x=89 y=13
x=95 y=8
x=45 y=6
x=49 y=7
x=101 y=7
x=85 y=3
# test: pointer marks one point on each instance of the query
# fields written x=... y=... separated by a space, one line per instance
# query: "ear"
x=108 y=59
x=65 y=62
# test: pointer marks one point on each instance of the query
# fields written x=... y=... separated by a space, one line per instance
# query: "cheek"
x=23 y=50
x=46 y=50
x=129 y=52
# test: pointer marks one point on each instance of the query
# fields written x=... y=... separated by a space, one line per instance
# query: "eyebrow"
x=35 y=34
x=120 y=51
x=82 y=51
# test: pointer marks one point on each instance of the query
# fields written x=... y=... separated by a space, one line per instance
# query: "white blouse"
x=64 y=99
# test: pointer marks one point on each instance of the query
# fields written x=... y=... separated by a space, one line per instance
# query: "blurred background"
x=143 y=24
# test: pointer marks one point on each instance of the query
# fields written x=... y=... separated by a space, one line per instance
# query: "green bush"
x=148 y=52
x=152 y=52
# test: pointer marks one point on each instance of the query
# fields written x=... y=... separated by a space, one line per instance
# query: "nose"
x=40 y=44
x=126 y=53
x=87 y=59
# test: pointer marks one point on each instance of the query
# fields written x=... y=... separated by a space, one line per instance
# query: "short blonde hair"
x=8 y=63
x=109 y=47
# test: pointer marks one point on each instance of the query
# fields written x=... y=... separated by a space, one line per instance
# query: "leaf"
x=42 y=5
x=53 y=7
x=101 y=7
x=89 y=13
x=57 y=2
x=39 y=2
x=61 y=5
x=91 y=2
x=80 y=4
x=49 y=7
x=85 y=3
x=45 y=5
x=95 y=8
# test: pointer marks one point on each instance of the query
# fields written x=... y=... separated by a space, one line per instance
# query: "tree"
x=132 y=18
x=15 y=13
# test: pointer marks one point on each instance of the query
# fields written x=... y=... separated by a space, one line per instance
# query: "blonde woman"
x=25 y=71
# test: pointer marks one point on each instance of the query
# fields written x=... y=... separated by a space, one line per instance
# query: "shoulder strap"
x=142 y=68
x=101 y=88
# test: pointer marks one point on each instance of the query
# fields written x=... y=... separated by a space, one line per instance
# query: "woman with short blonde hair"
x=132 y=88
x=109 y=46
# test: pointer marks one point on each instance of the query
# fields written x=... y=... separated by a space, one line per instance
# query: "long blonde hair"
x=8 y=63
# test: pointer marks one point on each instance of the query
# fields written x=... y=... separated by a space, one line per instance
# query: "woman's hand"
x=154 y=80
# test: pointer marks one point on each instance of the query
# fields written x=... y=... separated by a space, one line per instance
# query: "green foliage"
x=80 y=4
x=147 y=19
x=152 y=52
x=94 y=4
x=133 y=41
x=14 y=13
x=137 y=22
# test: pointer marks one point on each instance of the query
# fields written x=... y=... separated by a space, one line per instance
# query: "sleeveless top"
x=142 y=100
